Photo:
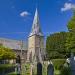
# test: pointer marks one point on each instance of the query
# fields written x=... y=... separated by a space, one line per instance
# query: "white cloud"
x=24 y=13
x=68 y=6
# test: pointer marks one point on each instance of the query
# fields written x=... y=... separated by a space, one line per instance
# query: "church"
x=34 y=49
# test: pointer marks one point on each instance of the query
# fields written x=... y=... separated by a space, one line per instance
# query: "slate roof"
x=14 y=44
x=36 y=30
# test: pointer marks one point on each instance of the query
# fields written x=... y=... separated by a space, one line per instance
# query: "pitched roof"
x=14 y=44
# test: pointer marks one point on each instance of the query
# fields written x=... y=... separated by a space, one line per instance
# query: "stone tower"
x=35 y=41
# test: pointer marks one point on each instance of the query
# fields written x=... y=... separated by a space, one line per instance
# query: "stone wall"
x=22 y=54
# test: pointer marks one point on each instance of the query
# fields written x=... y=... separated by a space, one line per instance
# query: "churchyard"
x=53 y=67
x=49 y=68
x=46 y=68
x=57 y=58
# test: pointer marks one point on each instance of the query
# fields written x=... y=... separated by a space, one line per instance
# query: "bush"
x=5 y=69
x=65 y=71
x=5 y=66
x=27 y=66
x=58 y=63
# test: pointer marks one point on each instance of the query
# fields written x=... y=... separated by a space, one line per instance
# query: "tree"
x=70 y=42
x=71 y=23
x=55 y=45
x=6 y=53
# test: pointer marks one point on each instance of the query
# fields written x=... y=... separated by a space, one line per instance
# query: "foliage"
x=66 y=70
x=71 y=23
x=27 y=68
x=44 y=68
x=70 y=42
x=6 y=53
x=55 y=45
x=57 y=72
x=58 y=63
x=5 y=66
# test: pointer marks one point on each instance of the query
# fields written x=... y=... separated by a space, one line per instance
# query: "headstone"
x=18 y=67
x=50 y=69
x=72 y=64
x=39 y=68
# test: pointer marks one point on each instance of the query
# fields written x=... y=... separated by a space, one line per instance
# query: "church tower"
x=35 y=41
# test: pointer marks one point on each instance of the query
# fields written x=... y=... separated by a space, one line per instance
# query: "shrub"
x=65 y=71
x=6 y=66
x=5 y=69
x=58 y=63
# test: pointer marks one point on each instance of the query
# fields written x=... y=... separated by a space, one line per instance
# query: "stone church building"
x=35 y=41
x=33 y=50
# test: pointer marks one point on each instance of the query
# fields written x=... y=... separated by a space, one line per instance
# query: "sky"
x=16 y=16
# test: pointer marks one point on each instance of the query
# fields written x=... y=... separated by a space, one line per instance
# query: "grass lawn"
x=12 y=73
x=56 y=72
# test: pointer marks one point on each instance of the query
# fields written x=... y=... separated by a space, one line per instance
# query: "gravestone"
x=18 y=67
x=72 y=64
x=39 y=68
x=50 y=69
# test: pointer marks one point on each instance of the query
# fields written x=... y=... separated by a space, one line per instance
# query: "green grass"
x=57 y=72
x=12 y=73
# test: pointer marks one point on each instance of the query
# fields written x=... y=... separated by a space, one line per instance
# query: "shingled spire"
x=36 y=30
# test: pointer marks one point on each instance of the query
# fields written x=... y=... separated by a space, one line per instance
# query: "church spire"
x=36 y=30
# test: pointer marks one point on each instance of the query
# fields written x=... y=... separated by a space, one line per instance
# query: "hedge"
x=6 y=66
x=58 y=63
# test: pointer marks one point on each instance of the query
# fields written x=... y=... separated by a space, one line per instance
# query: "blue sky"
x=17 y=16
